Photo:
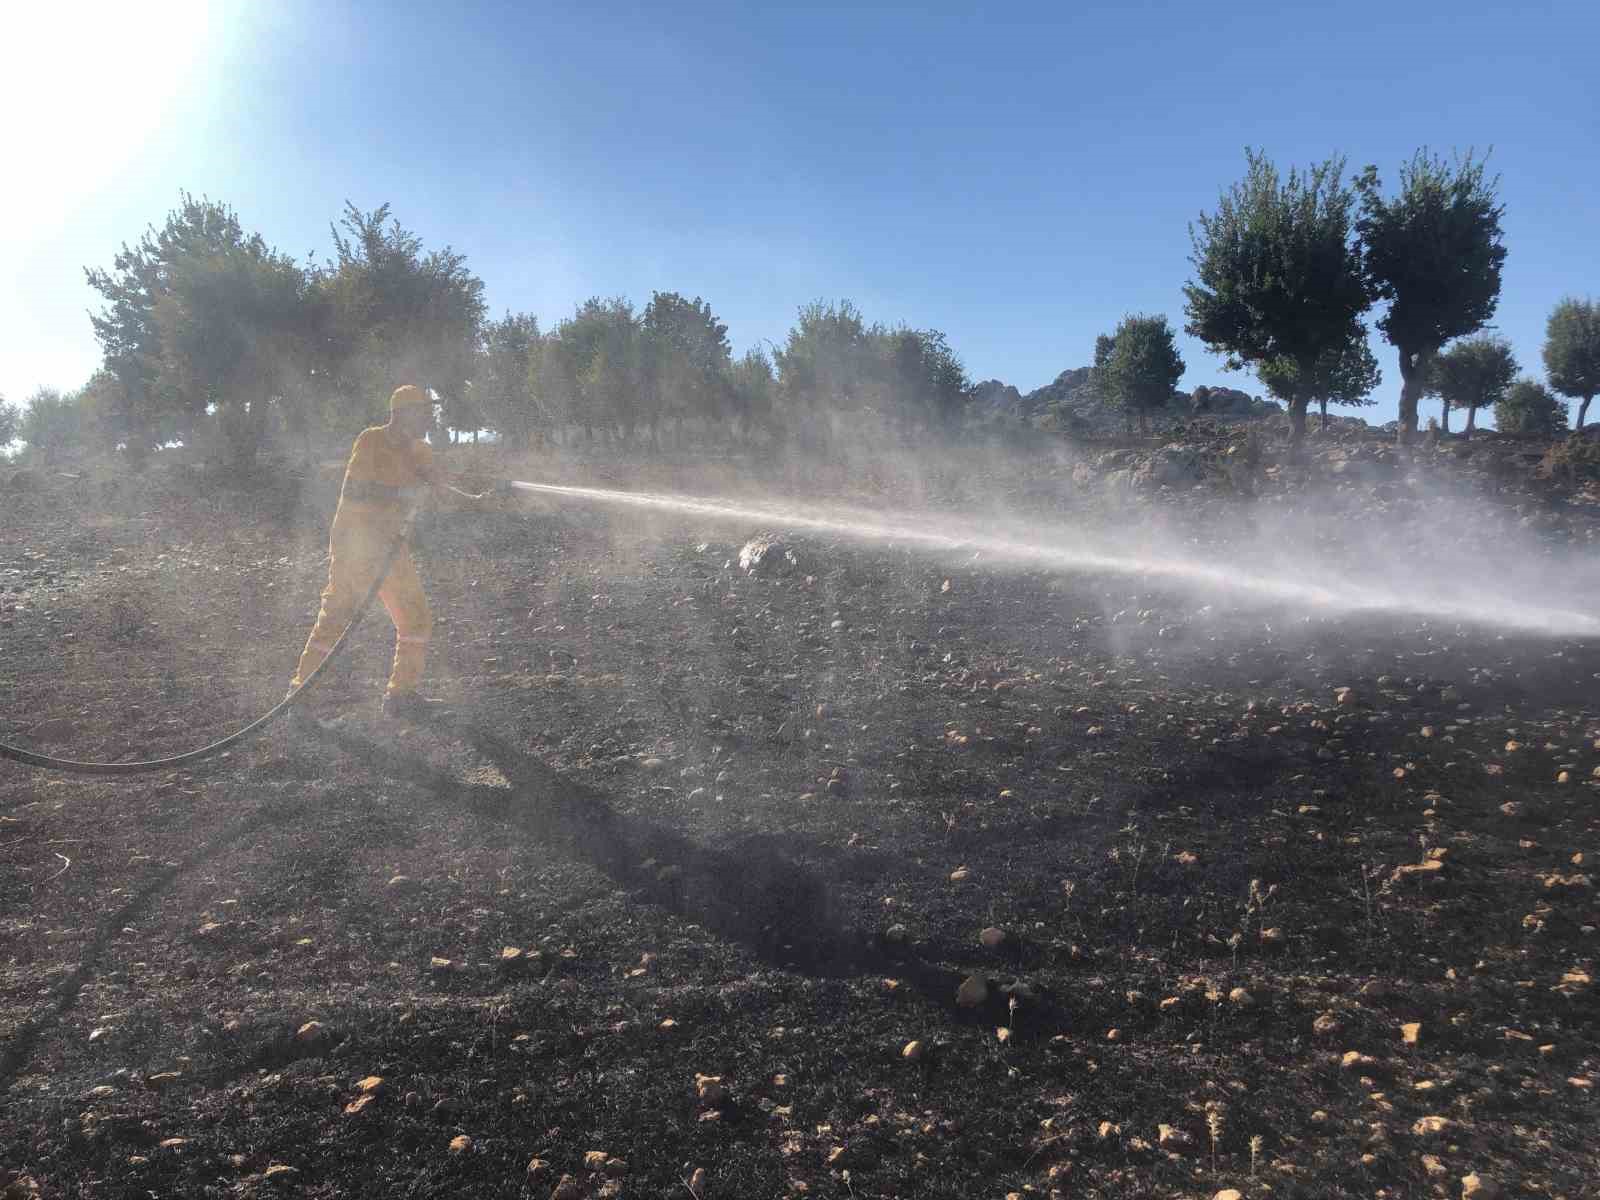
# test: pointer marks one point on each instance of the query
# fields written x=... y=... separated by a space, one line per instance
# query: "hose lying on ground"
x=71 y=766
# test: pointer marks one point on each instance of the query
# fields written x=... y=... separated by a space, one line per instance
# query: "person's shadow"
x=751 y=893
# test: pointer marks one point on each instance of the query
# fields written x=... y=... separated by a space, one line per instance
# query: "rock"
x=400 y=883
x=360 y=1104
x=1229 y=1194
x=512 y=957
x=595 y=1160
x=913 y=1051
x=1415 y=872
x=1480 y=1187
x=1241 y=998
x=567 y=1189
x=281 y=1173
x=960 y=875
x=711 y=1090
x=1432 y=1126
x=993 y=937
x=1410 y=1032
x=697 y=1183
x=1354 y=1060
x=974 y=990
x=460 y=1144
x=1326 y=1025
x=1170 y=1137
x=538 y=1168
x=311 y=1033
x=767 y=556
x=161 y=1079
x=1344 y=697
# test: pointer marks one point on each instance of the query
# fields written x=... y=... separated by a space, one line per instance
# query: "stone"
x=1241 y=998
x=974 y=990
x=711 y=1090
x=913 y=1051
x=1432 y=1126
x=1480 y=1187
x=281 y=1173
x=767 y=556
x=1410 y=1032
x=1170 y=1137
x=993 y=937
x=460 y=1144
x=567 y=1189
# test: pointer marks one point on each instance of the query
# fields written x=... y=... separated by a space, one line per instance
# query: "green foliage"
x=1530 y=407
x=1435 y=253
x=1345 y=374
x=51 y=422
x=1138 y=367
x=232 y=332
x=1572 y=352
x=1277 y=276
x=505 y=388
x=684 y=359
x=9 y=418
x=152 y=410
x=391 y=312
x=835 y=366
x=1474 y=373
x=755 y=389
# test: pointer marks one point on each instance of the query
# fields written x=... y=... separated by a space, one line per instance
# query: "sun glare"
x=87 y=85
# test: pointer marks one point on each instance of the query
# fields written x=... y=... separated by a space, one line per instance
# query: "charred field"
x=879 y=874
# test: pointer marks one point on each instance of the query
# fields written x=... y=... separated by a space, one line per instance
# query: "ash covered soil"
x=873 y=874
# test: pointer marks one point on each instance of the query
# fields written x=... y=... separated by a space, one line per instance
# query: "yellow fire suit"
x=388 y=473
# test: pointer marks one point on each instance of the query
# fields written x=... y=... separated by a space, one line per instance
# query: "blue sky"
x=1019 y=179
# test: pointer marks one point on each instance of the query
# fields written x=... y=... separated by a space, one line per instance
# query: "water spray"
x=1080 y=555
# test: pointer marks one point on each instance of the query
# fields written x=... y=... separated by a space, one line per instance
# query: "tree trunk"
x=1444 y=416
x=1472 y=421
x=1414 y=380
x=1583 y=411
x=1297 y=426
x=1323 y=407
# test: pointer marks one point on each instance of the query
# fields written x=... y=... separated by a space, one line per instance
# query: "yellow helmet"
x=407 y=396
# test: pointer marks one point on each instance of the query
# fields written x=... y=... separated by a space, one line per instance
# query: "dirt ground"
x=887 y=876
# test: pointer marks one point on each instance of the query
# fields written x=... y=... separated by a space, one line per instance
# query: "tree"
x=1434 y=253
x=823 y=365
x=754 y=387
x=1530 y=407
x=1138 y=367
x=1278 y=277
x=393 y=313
x=1344 y=374
x=1572 y=352
x=51 y=422
x=8 y=423
x=1474 y=373
x=231 y=332
x=150 y=412
x=684 y=359
x=506 y=387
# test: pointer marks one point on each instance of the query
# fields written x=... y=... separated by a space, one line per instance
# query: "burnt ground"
x=753 y=827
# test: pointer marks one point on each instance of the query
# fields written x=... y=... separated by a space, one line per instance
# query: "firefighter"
x=391 y=471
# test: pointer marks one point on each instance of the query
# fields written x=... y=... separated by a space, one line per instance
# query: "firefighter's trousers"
x=355 y=557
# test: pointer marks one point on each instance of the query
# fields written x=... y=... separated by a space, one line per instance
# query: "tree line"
x=211 y=337
x=208 y=334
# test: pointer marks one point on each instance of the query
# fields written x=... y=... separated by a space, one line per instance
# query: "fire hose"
x=74 y=767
